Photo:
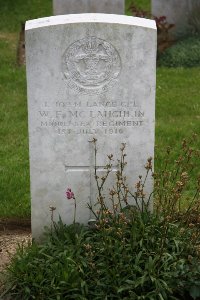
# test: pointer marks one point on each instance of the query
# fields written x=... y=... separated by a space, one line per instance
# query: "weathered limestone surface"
x=62 y=7
x=176 y=11
x=88 y=75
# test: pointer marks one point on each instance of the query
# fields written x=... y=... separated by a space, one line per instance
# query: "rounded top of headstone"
x=90 y=18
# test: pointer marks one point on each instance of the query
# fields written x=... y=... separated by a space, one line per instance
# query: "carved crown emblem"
x=91 y=65
x=91 y=45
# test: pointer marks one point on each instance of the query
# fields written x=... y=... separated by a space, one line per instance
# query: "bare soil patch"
x=13 y=232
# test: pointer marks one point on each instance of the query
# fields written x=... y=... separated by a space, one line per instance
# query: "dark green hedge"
x=185 y=53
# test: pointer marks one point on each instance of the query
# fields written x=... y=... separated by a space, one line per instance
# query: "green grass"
x=13 y=12
x=142 y=4
x=14 y=178
x=177 y=107
x=177 y=111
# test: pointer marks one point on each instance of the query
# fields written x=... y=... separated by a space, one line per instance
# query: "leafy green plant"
x=130 y=253
x=172 y=181
x=185 y=53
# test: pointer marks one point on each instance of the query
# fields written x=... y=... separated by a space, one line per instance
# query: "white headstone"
x=88 y=75
x=62 y=7
x=177 y=12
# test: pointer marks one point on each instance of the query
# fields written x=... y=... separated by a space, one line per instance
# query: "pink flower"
x=69 y=194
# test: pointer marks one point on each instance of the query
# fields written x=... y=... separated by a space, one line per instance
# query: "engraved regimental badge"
x=91 y=65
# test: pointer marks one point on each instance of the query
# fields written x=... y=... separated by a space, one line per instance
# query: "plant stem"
x=74 y=210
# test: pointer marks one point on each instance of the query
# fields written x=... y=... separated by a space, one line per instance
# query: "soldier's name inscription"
x=92 y=117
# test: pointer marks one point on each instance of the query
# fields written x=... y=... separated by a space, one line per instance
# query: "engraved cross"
x=90 y=168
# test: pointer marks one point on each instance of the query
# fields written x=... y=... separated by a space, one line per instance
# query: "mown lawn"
x=177 y=107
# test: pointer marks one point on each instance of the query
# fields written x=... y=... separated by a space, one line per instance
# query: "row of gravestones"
x=61 y=7
x=177 y=12
x=88 y=76
x=181 y=13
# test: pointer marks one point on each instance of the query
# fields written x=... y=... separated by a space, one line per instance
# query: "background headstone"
x=88 y=75
x=62 y=7
x=177 y=12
